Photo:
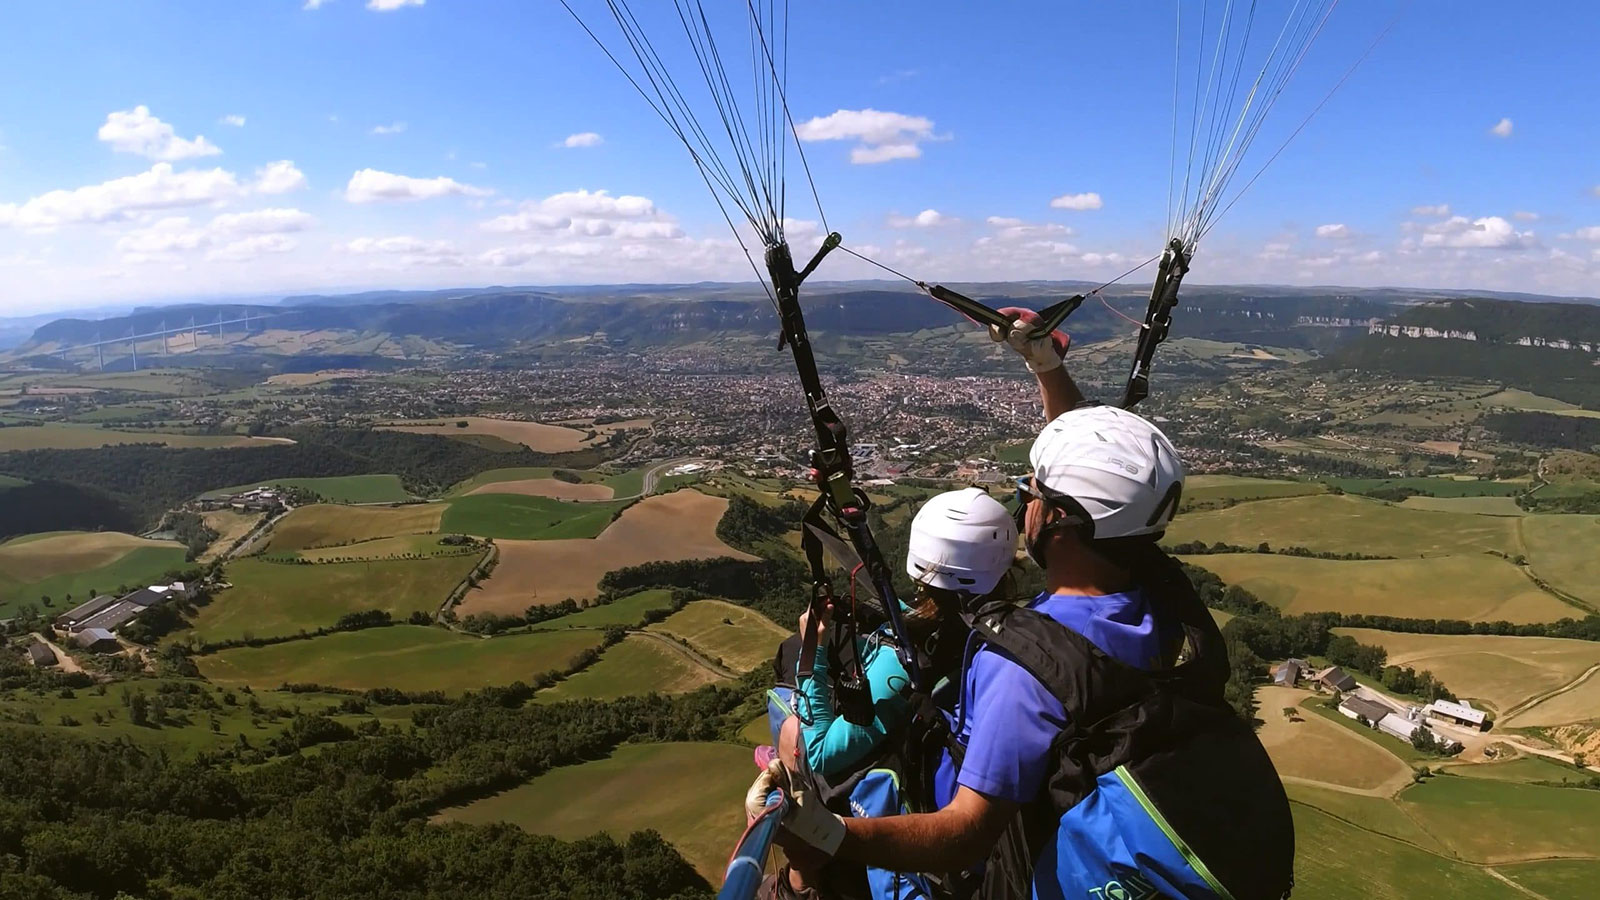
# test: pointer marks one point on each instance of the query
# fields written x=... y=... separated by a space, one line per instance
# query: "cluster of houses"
x=1379 y=715
x=261 y=499
x=91 y=624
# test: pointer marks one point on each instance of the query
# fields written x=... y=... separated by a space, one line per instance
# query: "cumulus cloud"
x=583 y=139
x=263 y=221
x=233 y=120
x=1588 y=233
x=1012 y=229
x=252 y=247
x=1335 y=232
x=137 y=131
x=313 y=4
x=392 y=5
x=595 y=214
x=1440 y=210
x=123 y=198
x=1525 y=216
x=598 y=205
x=1488 y=232
x=226 y=234
x=928 y=218
x=373 y=186
x=1089 y=200
x=882 y=136
x=279 y=177
x=391 y=128
x=1501 y=129
x=407 y=250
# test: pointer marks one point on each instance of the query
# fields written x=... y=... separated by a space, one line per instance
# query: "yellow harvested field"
x=326 y=524
x=680 y=525
x=1500 y=670
x=1316 y=750
x=1481 y=588
x=58 y=554
x=229 y=526
x=741 y=638
x=533 y=435
x=1580 y=704
x=1483 y=506
x=547 y=487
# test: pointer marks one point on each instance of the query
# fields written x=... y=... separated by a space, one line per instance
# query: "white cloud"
x=1525 y=216
x=252 y=247
x=1089 y=200
x=263 y=221
x=313 y=4
x=598 y=204
x=1588 y=233
x=234 y=120
x=1489 y=232
x=373 y=186
x=137 y=131
x=928 y=218
x=401 y=245
x=1003 y=221
x=883 y=136
x=392 y=5
x=1335 y=232
x=279 y=177
x=1501 y=128
x=1013 y=229
x=1442 y=209
x=583 y=139
x=123 y=198
x=393 y=128
x=169 y=235
x=528 y=220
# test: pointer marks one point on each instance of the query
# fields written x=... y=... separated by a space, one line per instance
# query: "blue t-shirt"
x=1008 y=720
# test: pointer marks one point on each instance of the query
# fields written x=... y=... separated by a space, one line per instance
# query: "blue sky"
x=182 y=149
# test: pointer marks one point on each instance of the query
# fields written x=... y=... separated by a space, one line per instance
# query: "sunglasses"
x=1029 y=489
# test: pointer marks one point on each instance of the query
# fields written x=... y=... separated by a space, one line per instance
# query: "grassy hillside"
x=741 y=638
x=628 y=611
x=526 y=517
x=328 y=525
x=1348 y=524
x=274 y=599
x=689 y=792
x=338 y=489
x=73 y=563
x=638 y=665
x=408 y=657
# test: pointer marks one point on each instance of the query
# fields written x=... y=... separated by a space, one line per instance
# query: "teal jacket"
x=833 y=744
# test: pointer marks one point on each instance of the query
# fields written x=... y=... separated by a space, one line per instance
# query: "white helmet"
x=1118 y=466
x=961 y=541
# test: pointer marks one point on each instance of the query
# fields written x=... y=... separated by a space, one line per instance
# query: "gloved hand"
x=807 y=819
x=1042 y=354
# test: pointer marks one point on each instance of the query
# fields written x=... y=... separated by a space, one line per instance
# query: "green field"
x=495 y=476
x=1525 y=769
x=408 y=657
x=343 y=489
x=1562 y=551
x=627 y=611
x=1337 y=860
x=1479 y=588
x=1378 y=814
x=626 y=484
x=690 y=792
x=638 y=665
x=275 y=599
x=6 y=481
x=330 y=524
x=1490 y=821
x=741 y=638
x=138 y=566
x=1557 y=878
x=60 y=436
x=1210 y=490
x=1482 y=506
x=1347 y=524
x=524 y=517
x=187 y=731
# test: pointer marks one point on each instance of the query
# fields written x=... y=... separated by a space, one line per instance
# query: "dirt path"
x=694 y=656
x=68 y=664
x=1498 y=877
x=1385 y=791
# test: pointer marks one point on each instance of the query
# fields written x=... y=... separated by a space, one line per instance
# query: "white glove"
x=773 y=777
x=813 y=823
x=807 y=818
x=1043 y=353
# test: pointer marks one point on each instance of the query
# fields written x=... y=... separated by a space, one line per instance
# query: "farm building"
x=1458 y=713
x=41 y=656
x=83 y=611
x=1336 y=679
x=1405 y=729
x=1290 y=673
x=110 y=613
x=1360 y=707
x=97 y=640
